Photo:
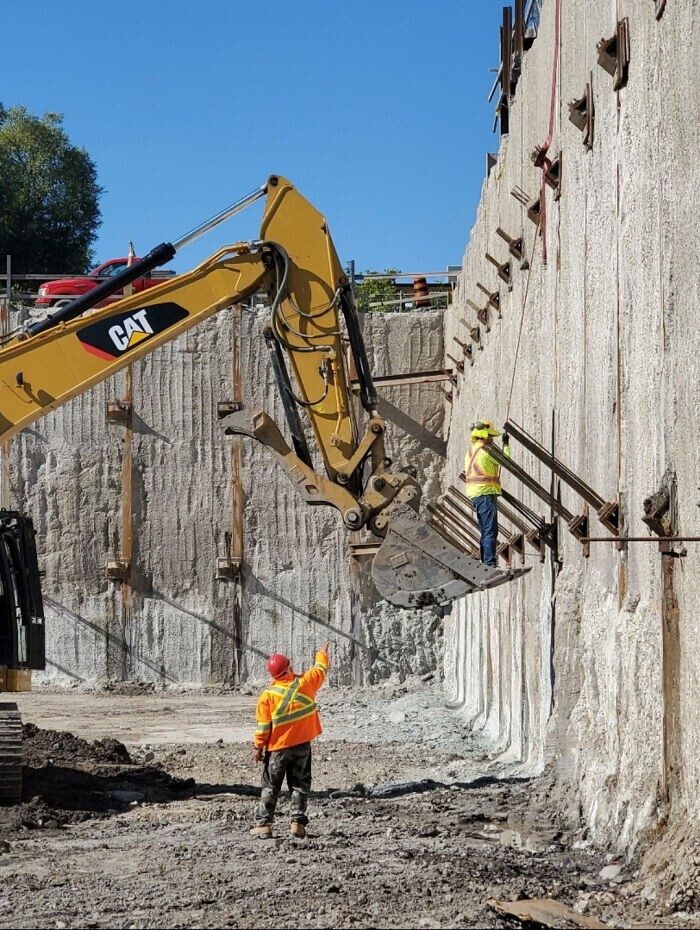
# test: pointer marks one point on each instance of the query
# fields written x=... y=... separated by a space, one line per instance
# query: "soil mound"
x=67 y=779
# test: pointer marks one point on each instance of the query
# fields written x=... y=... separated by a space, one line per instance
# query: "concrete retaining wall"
x=300 y=585
x=591 y=664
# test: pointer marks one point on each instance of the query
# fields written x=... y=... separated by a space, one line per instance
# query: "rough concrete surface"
x=591 y=664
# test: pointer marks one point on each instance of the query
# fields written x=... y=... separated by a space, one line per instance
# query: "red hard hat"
x=277 y=664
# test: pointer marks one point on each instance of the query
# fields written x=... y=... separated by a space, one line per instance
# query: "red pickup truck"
x=62 y=291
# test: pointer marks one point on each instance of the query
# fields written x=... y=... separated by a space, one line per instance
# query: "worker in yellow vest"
x=483 y=480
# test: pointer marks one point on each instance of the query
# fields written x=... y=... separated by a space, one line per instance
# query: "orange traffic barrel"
x=421 y=295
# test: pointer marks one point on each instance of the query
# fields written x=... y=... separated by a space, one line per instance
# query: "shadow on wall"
x=412 y=428
x=139 y=425
x=111 y=642
x=256 y=587
x=64 y=671
x=229 y=634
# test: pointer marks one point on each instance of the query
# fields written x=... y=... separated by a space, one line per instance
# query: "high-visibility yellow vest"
x=482 y=473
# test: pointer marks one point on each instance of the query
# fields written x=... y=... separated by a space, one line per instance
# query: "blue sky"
x=376 y=111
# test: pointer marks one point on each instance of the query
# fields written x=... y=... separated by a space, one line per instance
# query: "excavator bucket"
x=416 y=567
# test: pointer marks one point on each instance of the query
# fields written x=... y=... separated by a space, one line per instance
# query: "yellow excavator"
x=311 y=318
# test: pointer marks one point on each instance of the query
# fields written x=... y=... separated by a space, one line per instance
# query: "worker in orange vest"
x=287 y=721
x=483 y=480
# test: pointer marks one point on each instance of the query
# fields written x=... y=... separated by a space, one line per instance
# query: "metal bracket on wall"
x=229 y=567
x=503 y=270
x=514 y=545
x=660 y=6
x=656 y=512
x=660 y=514
x=119 y=411
x=515 y=247
x=482 y=314
x=494 y=297
x=580 y=526
x=531 y=204
x=458 y=363
x=117 y=569
x=614 y=54
x=551 y=168
x=474 y=333
x=582 y=113
x=224 y=407
x=466 y=349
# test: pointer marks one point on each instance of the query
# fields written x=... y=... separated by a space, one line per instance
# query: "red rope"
x=543 y=162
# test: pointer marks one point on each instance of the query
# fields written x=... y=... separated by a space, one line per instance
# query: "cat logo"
x=133 y=330
x=122 y=332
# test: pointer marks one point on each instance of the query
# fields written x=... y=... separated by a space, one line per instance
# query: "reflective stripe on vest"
x=475 y=475
x=282 y=715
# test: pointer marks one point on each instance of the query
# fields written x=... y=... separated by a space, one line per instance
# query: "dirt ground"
x=137 y=808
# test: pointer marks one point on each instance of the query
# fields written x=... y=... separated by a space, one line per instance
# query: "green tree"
x=49 y=195
x=372 y=290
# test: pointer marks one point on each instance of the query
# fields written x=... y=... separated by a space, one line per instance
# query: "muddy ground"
x=410 y=827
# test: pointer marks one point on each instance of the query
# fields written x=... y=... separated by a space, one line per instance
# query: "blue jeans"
x=487 y=515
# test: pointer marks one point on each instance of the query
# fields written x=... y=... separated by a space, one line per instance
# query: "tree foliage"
x=49 y=195
x=373 y=290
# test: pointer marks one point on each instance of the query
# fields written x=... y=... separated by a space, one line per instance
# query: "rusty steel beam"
x=607 y=511
x=460 y=544
x=413 y=377
x=458 y=528
x=518 y=472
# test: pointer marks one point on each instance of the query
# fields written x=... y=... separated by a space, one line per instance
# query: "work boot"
x=262 y=830
x=298 y=829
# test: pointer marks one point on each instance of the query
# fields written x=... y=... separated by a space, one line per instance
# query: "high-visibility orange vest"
x=286 y=712
x=483 y=473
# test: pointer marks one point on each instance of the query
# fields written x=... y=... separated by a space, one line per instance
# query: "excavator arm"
x=312 y=318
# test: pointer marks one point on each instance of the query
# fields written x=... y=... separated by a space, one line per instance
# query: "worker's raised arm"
x=314 y=677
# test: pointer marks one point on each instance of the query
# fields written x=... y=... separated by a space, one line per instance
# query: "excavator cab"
x=21 y=638
x=21 y=604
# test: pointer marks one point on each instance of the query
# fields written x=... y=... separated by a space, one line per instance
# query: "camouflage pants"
x=295 y=763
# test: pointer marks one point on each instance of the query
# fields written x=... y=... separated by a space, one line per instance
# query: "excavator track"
x=10 y=754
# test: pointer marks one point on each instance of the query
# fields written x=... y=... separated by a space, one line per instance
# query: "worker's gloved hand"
x=505 y=438
x=258 y=755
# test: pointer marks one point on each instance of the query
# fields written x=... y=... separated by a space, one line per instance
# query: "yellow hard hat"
x=482 y=429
